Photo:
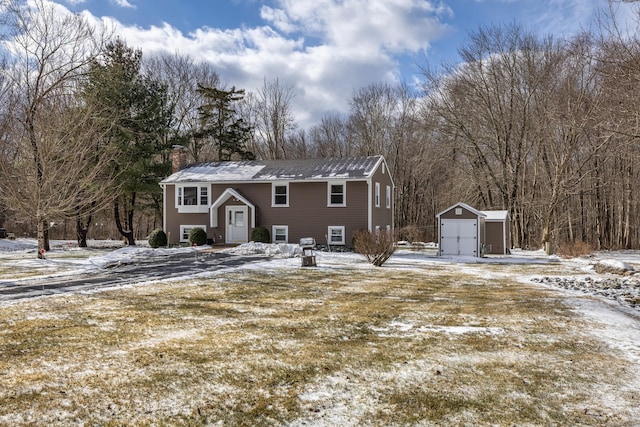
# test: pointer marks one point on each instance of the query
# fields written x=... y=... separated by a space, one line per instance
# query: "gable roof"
x=465 y=206
x=351 y=168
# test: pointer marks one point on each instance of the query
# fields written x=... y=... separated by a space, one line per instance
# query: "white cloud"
x=323 y=49
x=326 y=49
x=123 y=3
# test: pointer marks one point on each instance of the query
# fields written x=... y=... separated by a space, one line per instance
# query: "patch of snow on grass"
x=277 y=250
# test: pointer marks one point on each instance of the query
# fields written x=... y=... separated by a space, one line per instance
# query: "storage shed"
x=461 y=231
x=497 y=238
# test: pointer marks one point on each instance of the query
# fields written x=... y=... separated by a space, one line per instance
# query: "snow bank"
x=613 y=266
x=17 y=245
x=276 y=250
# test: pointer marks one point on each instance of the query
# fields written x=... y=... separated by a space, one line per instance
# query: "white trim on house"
x=274 y=228
x=273 y=194
x=226 y=195
x=164 y=209
x=387 y=199
x=197 y=207
x=341 y=182
x=186 y=229
x=236 y=231
x=377 y=195
x=330 y=235
x=369 y=206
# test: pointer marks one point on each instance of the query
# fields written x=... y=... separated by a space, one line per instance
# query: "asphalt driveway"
x=125 y=272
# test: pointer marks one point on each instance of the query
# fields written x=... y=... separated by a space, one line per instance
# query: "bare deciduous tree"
x=274 y=121
x=48 y=51
x=182 y=75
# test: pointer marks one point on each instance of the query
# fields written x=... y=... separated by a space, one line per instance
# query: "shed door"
x=458 y=237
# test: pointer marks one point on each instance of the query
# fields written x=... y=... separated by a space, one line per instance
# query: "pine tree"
x=220 y=122
x=144 y=118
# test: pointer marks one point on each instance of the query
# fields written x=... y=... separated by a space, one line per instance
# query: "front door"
x=237 y=228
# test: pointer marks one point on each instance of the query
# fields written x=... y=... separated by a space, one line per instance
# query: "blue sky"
x=324 y=49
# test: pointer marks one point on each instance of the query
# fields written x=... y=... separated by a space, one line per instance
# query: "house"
x=464 y=230
x=327 y=199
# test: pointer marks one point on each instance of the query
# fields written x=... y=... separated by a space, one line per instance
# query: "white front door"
x=237 y=224
x=459 y=237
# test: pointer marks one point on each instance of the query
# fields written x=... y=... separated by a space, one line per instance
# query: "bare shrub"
x=413 y=233
x=377 y=246
x=573 y=249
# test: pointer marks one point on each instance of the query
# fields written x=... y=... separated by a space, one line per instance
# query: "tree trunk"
x=82 y=227
x=81 y=231
x=43 y=238
x=128 y=233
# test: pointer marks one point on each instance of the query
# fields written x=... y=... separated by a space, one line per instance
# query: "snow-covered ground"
x=616 y=281
x=616 y=294
x=606 y=299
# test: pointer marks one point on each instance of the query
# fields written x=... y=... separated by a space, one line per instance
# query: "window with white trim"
x=377 y=194
x=204 y=196
x=388 y=197
x=280 y=233
x=280 y=195
x=192 y=198
x=336 y=193
x=185 y=230
x=336 y=234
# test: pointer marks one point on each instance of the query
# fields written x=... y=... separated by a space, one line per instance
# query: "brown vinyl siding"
x=174 y=219
x=308 y=214
x=381 y=216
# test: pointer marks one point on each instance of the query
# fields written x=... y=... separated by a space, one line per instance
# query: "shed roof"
x=351 y=168
x=496 y=215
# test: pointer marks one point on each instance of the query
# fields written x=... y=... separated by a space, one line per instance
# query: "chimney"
x=178 y=158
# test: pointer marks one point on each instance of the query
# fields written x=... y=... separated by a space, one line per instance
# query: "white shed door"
x=458 y=237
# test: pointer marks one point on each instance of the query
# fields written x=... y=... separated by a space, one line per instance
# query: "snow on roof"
x=496 y=215
x=220 y=171
x=271 y=170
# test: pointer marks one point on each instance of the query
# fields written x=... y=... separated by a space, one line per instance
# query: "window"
x=186 y=229
x=280 y=195
x=192 y=199
x=377 y=194
x=337 y=194
x=280 y=233
x=336 y=235
x=388 y=197
x=204 y=196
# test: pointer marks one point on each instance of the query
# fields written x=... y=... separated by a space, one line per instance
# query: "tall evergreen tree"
x=144 y=117
x=220 y=121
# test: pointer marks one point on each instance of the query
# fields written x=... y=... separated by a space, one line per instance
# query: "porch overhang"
x=226 y=195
